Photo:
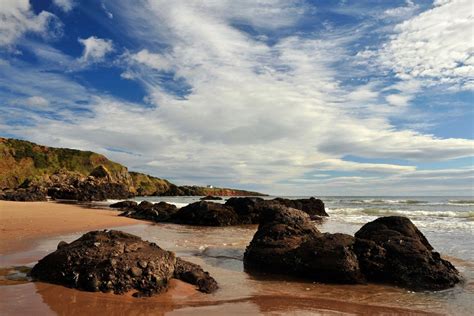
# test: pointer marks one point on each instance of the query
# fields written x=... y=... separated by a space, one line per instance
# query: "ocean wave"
x=388 y=201
x=468 y=215
x=461 y=202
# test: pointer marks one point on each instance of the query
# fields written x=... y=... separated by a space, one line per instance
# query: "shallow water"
x=220 y=251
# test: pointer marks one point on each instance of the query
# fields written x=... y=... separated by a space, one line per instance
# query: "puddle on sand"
x=14 y=275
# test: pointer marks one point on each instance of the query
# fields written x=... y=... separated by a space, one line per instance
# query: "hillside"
x=25 y=165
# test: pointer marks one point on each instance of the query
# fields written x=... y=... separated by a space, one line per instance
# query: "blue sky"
x=285 y=97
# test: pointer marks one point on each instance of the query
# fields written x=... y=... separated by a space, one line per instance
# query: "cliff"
x=25 y=165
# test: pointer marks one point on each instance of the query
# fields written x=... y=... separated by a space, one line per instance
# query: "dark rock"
x=61 y=244
x=124 y=204
x=210 y=198
x=287 y=242
x=101 y=172
x=89 y=189
x=206 y=214
x=194 y=274
x=29 y=194
x=145 y=206
x=158 y=212
x=247 y=208
x=118 y=262
x=311 y=206
x=392 y=250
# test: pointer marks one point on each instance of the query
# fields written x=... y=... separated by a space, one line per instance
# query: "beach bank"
x=23 y=223
x=219 y=250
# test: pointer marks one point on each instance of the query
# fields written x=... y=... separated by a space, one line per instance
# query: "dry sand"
x=21 y=223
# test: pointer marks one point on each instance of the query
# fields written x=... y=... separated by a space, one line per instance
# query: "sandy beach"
x=31 y=230
x=21 y=224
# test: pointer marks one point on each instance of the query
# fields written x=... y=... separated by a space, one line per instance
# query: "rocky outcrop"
x=236 y=211
x=67 y=174
x=194 y=274
x=388 y=250
x=287 y=242
x=211 y=198
x=158 y=212
x=247 y=208
x=124 y=204
x=393 y=250
x=29 y=194
x=113 y=261
x=311 y=206
x=88 y=189
x=206 y=214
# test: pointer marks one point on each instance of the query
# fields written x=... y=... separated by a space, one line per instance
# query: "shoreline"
x=29 y=224
x=23 y=223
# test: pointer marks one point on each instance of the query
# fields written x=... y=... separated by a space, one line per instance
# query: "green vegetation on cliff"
x=23 y=163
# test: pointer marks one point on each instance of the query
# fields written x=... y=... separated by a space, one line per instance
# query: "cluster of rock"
x=235 y=211
x=114 y=261
x=64 y=185
x=388 y=250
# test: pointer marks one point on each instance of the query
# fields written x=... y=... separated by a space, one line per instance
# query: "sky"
x=284 y=97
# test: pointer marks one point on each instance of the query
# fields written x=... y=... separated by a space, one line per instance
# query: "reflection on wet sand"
x=220 y=251
x=47 y=299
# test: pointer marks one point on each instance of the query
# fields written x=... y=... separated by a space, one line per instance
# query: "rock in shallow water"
x=236 y=211
x=118 y=262
x=287 y=242
x=393 y=250
x=388 y=250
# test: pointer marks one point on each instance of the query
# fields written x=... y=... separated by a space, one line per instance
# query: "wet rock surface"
x=206 y=214
x=88 y=189
x=211 y=198
x=311 y=206
x=393 y=250
x=114 y=261
x=236 y=211
x=388 y=250
x=158 y=212
x=287 y=242
x=29 y=194
x=124 y=204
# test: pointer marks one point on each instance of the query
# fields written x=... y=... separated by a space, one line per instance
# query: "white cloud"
x=435 y=46
x=398 y=99
x=155 y=61
x=401 y=12
x=95 y=48
x=17 y=18
x=37 y=101
x=251 y=112
x=65 y=5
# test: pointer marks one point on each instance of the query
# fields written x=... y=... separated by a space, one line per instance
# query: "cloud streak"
x=234 y=100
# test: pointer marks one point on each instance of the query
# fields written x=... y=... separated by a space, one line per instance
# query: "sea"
x=447 y=222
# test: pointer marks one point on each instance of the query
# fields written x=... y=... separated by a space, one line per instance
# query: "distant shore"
x=21 y=223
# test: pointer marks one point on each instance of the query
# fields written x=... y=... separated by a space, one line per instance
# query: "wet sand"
x=218 y=250
x=22 y=223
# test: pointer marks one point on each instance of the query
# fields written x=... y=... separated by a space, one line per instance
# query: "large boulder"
x=89 y=189
x=206 y=214
x=210 y=198
x=114 y=261
x=124 y=204
x=29 y=194
x=156 y=212
x=247 y=208
x=287 y=242
x=311 y=206
x=393 y=250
